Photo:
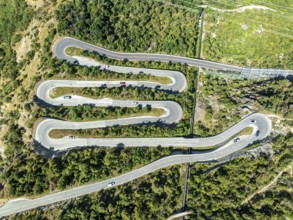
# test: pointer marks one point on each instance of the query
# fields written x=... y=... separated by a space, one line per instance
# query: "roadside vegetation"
x=140 y=130
x=93 y=73
x=237 y=180
x=245 y=131
x=222 y=102
x=92 y=113
x=154 y=196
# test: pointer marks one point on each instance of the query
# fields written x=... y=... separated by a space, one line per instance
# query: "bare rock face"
x=264 y=150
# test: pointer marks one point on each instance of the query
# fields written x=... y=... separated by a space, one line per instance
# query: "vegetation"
x=123 y=92
x=26 y=173
x=140 y=130
x=92 y=113
x=14 y=16
x=145 y=26
x=208 y=185
x=222 y=102
x=92 y=73
x=245 y=131
x=256 y=38
x=235 y=182
x=161 y=192
x=31 y=174
x=131 y=25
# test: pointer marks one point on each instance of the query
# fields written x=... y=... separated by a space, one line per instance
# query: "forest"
x=216 y=191
x=131 y=25
x=237 y=180
x=14 y=16
x=144 y=26
x=161 y=192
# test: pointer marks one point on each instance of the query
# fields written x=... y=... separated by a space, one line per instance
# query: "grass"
x=280 y=5
x=245 y=131
x=204 y=148
x=73 y=51
x=256 y=38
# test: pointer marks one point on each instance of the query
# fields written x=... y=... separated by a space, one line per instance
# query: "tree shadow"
x=42 y=103
x=45 y=152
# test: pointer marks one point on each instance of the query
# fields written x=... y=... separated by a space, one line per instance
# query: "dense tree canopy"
x=125 y=25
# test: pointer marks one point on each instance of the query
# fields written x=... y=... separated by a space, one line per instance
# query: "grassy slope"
x=282 y=5
x=258 y=38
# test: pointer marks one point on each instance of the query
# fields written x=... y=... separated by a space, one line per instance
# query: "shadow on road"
x=42 y=103
x=45 y=152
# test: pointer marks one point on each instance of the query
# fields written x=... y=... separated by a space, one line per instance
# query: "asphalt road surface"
x=66 y=42
x=63 y=43
x=263 y=124
x=173 y=113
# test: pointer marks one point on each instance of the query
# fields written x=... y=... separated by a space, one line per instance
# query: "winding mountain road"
x=173 y=113
x=66 y=42
x=263 y=124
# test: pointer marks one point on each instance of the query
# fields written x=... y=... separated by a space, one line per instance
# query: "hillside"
x=244 y=188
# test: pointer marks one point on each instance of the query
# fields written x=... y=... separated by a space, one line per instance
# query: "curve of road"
x=173 y=114
x=173 y=110
x=66 y=42
x=260 y=123
x=263 y=122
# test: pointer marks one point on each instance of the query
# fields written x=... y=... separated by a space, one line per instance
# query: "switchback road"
x=260 y=123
